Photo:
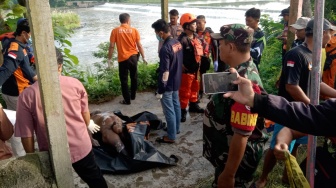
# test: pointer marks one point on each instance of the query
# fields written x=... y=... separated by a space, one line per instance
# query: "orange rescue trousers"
x=188 y=90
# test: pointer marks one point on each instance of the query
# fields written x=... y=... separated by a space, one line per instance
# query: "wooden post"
x=164 y=10
x=45 y=56
x=314 y=92
x=294 y=13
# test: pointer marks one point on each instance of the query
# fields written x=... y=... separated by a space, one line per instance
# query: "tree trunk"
x=307 y=9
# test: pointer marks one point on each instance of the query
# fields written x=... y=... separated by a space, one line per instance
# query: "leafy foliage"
x=270 y=66
x=67 y=19
x=270 y=28
x=16 y=11
x=70 y=64
x=329 y=9
x=103 y=84
x=62 y=31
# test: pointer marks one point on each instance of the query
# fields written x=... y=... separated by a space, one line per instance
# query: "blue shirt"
x=171 y=60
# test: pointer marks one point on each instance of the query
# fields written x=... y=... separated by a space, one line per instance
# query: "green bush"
x=67 y=19
x=10 y=12
x=270 y=66
x=147 y=76
x=103 y=84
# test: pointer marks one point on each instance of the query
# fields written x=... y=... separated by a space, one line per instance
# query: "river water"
x=100 y=20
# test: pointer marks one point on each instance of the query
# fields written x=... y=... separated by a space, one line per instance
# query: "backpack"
x=6 y=39
x=329 y=70
x=4 y=43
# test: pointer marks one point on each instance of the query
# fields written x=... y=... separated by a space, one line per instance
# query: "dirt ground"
x=192 y=169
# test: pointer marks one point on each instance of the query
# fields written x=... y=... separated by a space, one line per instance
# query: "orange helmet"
x=187 y=18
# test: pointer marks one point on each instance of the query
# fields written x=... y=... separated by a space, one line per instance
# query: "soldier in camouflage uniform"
x=233 y=140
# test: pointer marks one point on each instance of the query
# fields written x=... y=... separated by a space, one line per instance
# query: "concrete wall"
x=32 y=170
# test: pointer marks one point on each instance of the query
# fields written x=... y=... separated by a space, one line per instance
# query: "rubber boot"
x=200 y=96
x=183 y=115
x=194 y=107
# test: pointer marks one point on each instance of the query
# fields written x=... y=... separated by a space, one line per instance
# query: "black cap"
x=22 y=25
x=285 y=12
x=326 y=26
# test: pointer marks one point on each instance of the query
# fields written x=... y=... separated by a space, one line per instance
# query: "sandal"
x=124 y=102
x=162 y=140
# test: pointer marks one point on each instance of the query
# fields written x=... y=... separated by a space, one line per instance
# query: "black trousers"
x=90 y=173
x=131 y=65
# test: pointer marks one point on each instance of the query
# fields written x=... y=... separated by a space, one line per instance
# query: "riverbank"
x=65 y=18
x=100 y=20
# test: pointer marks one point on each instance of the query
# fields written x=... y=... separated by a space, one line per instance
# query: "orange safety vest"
x=198 y=49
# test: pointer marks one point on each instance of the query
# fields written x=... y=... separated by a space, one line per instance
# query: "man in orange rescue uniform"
x=128 y=43
x=192 y=53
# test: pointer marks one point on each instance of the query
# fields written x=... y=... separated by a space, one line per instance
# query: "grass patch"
x=105 y=85
x=64 y=18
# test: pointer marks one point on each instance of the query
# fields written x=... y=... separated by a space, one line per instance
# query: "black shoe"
x=166 y=129
x=183 y=115
x=132 y=97
x=194 y=107
x=200 y=95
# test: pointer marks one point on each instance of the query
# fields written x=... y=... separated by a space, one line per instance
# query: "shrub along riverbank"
x=64 y=18
x=103 y=84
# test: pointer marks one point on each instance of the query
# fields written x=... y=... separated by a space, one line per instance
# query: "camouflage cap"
x=300 y=23
x=235 y=33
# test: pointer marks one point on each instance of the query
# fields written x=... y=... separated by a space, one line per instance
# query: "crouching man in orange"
x=192 y=52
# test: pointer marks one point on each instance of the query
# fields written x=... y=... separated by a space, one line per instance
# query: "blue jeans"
x=171 y=109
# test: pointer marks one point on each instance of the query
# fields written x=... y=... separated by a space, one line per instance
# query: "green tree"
x=329 y=9
x=15 y=11
x=270 y=66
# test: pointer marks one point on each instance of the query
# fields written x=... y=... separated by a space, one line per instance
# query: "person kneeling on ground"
x=30 y=120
